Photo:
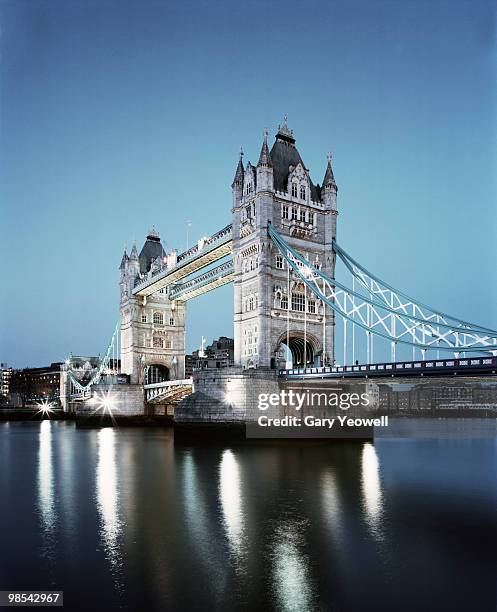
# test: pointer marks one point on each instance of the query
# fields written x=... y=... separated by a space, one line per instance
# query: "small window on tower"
x=302 y=192
x=311 y=305
x=294 y=214
x=284 y=212
x=284 y=302
x=144 y=318
x=302 y=215
x=171 y=321
x=294 y=190
x=279 y=262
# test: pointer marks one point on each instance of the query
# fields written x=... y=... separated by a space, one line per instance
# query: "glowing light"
x=229 y=397
x=106 y=402
x=45 y=408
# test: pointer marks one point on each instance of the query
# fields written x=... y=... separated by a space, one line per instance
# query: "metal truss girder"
x=104 y=364
x=387 y=313
x=203 y=283
x=217 y=247
x=363 y=275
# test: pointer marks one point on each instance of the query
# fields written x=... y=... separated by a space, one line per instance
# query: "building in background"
x=33 y=385
x=219 y=354
x=5 y=378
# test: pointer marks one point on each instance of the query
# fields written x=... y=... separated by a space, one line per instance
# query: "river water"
x=124 y=518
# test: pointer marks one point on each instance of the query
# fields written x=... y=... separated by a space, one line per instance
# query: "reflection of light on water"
x=331 y=505
x=107 y=494
x=231 y=502
x=371 y=487
x=67 y=480
x=198 y=528
x=194 y=506
x=293 y=585
x=45 y=476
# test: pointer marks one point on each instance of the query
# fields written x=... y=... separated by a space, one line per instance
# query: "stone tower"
x=153 y=328
x=274 y=315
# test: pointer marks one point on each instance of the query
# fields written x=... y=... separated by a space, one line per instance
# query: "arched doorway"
x=298 y=351
x=157 y=373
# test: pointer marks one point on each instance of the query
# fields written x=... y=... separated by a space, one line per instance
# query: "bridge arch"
x=156 y=373
x=304 y=349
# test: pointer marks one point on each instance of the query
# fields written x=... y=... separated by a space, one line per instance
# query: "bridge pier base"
x=113 y=401
x=232 y=401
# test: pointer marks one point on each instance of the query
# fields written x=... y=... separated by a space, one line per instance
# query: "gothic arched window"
x=298 y=302
x=158 y=318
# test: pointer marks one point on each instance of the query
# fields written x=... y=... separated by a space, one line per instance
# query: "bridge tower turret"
x=153 y=328
x=237 y=184
x=274 y=314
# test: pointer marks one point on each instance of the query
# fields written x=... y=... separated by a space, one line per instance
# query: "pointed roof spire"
x=134 y=253
x=265 y=157
x=329 y=178
x=153 y=234
x=124 y=260
x=284 y=132
x=239 y=171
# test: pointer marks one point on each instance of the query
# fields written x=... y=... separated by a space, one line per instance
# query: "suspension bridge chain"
x=385 y=312
x=109 y=362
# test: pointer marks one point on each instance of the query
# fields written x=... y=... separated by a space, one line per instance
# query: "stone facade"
x=115 y=400
x=153 y=328
x=271 y=307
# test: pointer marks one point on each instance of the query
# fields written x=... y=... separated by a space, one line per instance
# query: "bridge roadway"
x=470 y=366
x=204 y=253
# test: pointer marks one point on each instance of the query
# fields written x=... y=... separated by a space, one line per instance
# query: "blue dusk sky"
x=117 y=115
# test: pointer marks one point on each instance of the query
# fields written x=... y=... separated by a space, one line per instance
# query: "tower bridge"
x=280 y=252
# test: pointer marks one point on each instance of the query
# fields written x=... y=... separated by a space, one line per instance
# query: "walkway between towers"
x=206 y=252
